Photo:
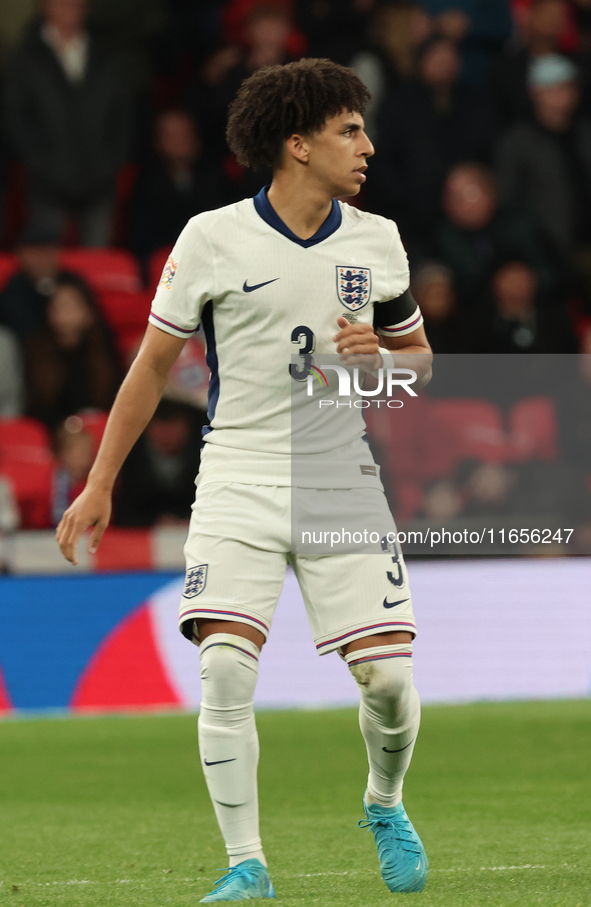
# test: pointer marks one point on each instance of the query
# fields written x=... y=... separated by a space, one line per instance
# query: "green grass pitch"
x=113 y=811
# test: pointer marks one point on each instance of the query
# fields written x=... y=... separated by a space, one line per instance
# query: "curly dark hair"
x=279 y=101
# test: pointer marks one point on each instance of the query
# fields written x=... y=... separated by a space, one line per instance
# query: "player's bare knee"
x=208 y=627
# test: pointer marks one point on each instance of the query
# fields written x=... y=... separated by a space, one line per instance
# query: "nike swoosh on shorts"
x=388 y=604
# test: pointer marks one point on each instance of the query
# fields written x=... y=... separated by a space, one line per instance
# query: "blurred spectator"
x=582 y=12
x=237 y=16
x=396 y=31
x=432 y=287
x=3 y=181
x=489 y=489
x=569 y=38
x=9 y=521
x=442 y=501
x=333 y=27
x=544 y=165
x=574 y=413
x=74 y=453
x=175 y=184
x=572 y=394
x=158 y=477
x=541 y=27
x=451 y=22
x=476 y=236
x=68 y=117
x=480 y=489
x=71 y=363
x=479 y=27
x=130 y=26
x=427 y=126
x=518 y=321
x=266 y=35
x=24 y=299
x=11 y=376
x=15 y=16
x=190 y=31
x=554 y=491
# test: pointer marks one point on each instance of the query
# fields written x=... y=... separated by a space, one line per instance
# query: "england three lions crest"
x=195 y=581
x=353 y=287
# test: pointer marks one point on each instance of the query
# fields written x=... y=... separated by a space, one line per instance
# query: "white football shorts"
x=240 y=541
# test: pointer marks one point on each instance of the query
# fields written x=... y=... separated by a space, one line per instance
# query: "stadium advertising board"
x=518 y=629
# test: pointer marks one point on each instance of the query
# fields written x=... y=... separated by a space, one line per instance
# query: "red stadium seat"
x=416 y=443
x=413 y=445
x=104 y=269
x=24 y=440
x=32 y=489
x=127 y=315
x=477 y=428
x=533 y=430
x=8 y=266
x=394 y=432
x=26 y=461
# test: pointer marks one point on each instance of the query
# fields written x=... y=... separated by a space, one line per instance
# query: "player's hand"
x=91 y=508
x=358 y=344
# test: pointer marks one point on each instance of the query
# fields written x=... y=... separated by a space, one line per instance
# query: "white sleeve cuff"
x=170 y=327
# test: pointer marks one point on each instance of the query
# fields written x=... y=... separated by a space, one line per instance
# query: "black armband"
x=394 y=311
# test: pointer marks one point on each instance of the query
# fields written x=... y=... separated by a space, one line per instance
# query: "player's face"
x=338 y=154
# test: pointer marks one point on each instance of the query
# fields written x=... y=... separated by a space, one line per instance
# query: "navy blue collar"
x=267 y=212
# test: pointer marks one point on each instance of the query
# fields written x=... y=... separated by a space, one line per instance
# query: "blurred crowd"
x=112 y=134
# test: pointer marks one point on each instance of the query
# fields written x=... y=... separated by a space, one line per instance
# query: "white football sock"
x=228 y=741
x=389 y=716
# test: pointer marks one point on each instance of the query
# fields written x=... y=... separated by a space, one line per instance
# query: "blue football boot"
x=403 y=861
x=245 y=882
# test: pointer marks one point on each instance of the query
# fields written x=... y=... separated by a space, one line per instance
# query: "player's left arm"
x=399 y=325
x=397 y=328
x=412 y=351
x=415 y=342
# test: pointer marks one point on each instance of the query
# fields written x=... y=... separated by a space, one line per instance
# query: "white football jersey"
x=263 y=294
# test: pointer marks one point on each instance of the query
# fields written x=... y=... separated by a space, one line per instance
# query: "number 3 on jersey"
x=306 y=341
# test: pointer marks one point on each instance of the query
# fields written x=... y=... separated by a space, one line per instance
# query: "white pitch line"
x=306 y=875
x=496 y=868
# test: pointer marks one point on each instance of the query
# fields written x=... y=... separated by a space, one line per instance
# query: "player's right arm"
x=134 y=406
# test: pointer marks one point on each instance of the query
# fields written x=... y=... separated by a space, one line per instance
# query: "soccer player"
x=292 y=270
